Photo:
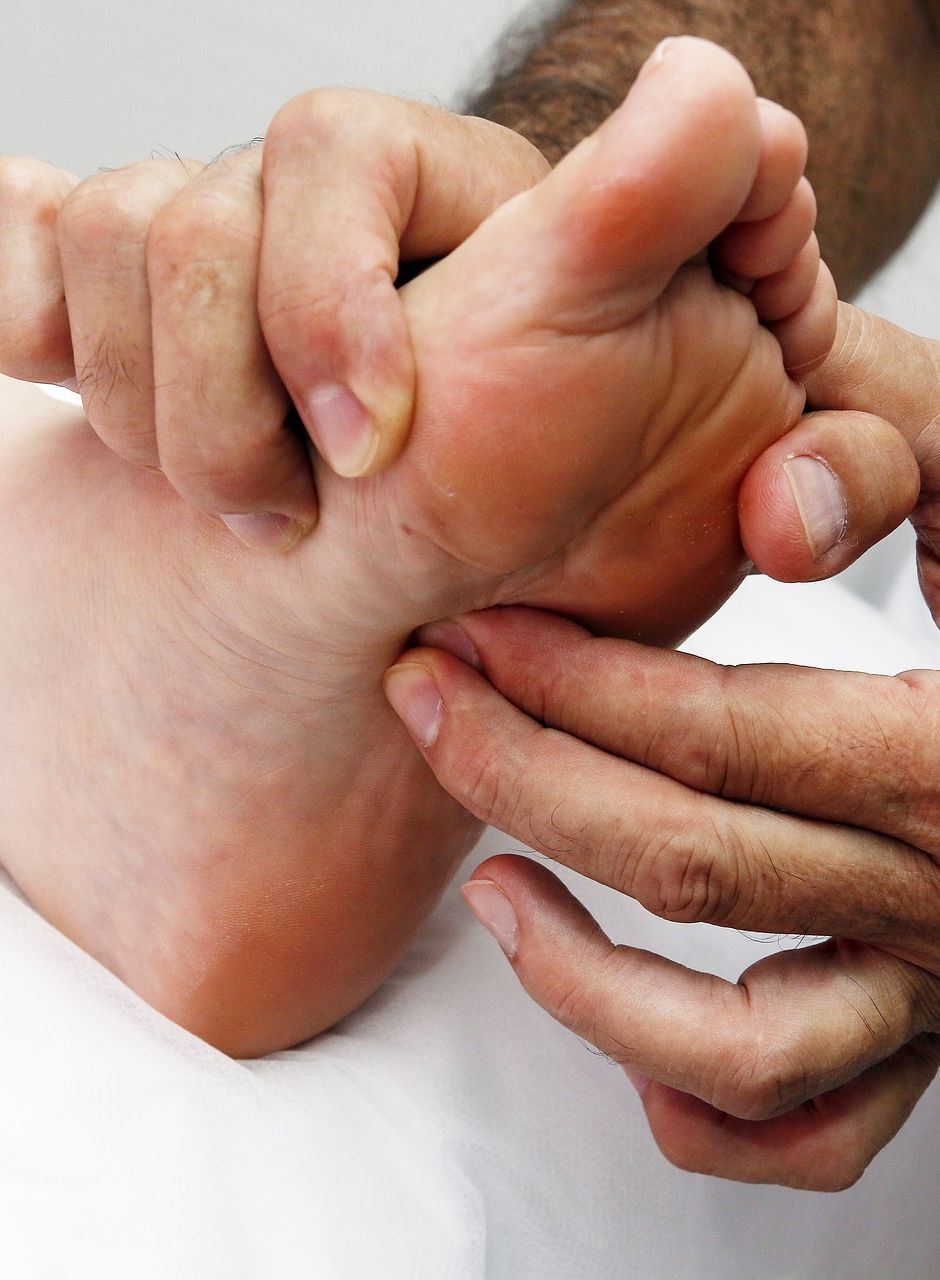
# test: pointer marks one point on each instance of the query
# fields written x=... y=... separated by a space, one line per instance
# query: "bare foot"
x=206 y=788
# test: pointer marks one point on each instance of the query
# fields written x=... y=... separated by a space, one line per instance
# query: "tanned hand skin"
x=863 y=75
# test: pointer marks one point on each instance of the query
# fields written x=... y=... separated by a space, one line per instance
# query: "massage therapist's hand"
x=196 y=304
x=775 y=799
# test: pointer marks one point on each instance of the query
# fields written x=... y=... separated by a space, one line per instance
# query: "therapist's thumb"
x=842 y=479
x=817 y=499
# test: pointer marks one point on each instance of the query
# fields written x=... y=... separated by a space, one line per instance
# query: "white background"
x=89 y=83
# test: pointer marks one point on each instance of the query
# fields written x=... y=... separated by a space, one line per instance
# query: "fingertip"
x=391 y=415
x=818 y=499
x=449 y=636
x=494 y=910
x=508 y=870
x=549 y=913
x=341 y=428
x=266 y=530
x=788 y=534
x=358 y=435
x=415 y=697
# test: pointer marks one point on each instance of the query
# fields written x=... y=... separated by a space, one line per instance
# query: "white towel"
x=448 y=1131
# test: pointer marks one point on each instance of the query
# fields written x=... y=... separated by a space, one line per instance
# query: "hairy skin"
x=863 y=75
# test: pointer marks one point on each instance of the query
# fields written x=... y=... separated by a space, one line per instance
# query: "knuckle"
x=291 y=318
x=26 y=187
x=104 y=213
x=307 y=314
x=685 y=875
x=109 y=385
x=758 y=1081
x=568 y=992
x=566 y=997
x=484 y=784
x=719 y=745
x=196 y=247
x=905 y=739
x=319 y=116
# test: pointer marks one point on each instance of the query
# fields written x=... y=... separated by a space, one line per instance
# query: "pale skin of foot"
x=300 y=839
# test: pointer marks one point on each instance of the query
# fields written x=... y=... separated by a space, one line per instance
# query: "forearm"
x=864 y=76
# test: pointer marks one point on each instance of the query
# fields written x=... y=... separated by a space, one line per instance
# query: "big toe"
x=658 y=181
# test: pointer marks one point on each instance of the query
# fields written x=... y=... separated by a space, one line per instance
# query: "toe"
x=784 y=150
x=779 y=296
x=661 y=178
x=807 y=336
x=758 y=249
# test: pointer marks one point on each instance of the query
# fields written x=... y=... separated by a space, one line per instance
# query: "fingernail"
x=265 y=531
x=417 y=700
x=452 y=639
x=342 y=429
x=820 y=501
x=639 y=1081
x=494 y=911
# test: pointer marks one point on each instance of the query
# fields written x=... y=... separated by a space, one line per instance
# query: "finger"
x=348 y=175
x=683 y=854
x=840 y=746
x=928 y=572
x=819 y=498
x=35 y=343
x=102 y=235
x=797 y=1027
x=825 y=1145
x=221 y=409
x=880 y=368
x=875 y=367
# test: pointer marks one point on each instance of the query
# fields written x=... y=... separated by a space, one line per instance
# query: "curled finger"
x=35 y=343
x=797 y=1074
x=354 y=181
x=102 y=236
x=222 y=422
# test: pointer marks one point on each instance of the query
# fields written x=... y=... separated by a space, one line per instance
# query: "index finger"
x=843 y=746
x=349 y=178
x=684 y=855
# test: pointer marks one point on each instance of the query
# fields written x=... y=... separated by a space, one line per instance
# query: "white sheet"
x=448 y=1131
